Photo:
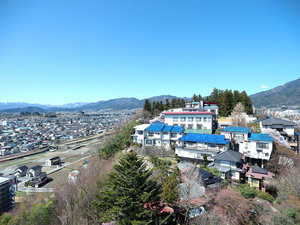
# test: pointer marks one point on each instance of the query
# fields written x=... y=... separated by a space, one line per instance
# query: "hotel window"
x=262 y=145
x=175 y=119
x=182 y=119
x=190 y=119
x=204 y=119
x=183 y=126
x=190 y=126
x=198 y=119
x=199 y=126
x=208 y=119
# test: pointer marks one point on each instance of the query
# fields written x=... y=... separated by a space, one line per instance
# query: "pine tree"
x=173 y=103
x=195 y=98
x=147 y=106
x=129 y=193
x=170 y=192
x=167 y=105
x=182 y=103
x=246 y=101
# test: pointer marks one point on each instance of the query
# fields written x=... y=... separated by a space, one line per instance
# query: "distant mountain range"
x=116 y=104
x=284 y=95
x=287 y=94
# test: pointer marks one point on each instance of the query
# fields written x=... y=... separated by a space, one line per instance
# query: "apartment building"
x=7 y=194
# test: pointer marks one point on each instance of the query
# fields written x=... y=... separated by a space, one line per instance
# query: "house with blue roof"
x=195 y=146
x=257 y=147
x=157 y=134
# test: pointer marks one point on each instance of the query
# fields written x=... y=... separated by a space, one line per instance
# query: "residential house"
x=7 y=194
x=257 y=147
x=285 y=127
x=258 y=177
x=34 y=171
x=21 y=171
x=54 y=161
x=230 y=163
x=139 y=134
x=195 y=146
x=160 y=134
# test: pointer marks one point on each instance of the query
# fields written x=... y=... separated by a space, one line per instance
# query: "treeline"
x=158 y=107
x=226 y=100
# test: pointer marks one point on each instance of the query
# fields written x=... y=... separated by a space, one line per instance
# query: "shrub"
x=4 y=220
x=224 y=183
x=247 y=191
x=266 y=196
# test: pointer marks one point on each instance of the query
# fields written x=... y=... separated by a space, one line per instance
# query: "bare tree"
x=238 y=115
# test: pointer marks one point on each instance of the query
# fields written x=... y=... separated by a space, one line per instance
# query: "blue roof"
x=260 y=137
x=205 y=138
x=160 y=126
x=177 y=129
x=237 y=129
x=167 y=128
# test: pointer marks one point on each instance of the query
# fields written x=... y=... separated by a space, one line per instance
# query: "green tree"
x=170 y=192
x=147 y=106
x=246 y=102
x=129 y=190
x=173 y=103
x=182 y=103
x=226 y=103
x=167 y=105
x=195 y=98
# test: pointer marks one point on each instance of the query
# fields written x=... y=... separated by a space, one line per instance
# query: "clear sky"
x=61 y=51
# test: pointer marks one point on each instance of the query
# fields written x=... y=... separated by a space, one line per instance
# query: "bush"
x=266 y=196
x=224 y=183
x=247 y=191
x=4 y=220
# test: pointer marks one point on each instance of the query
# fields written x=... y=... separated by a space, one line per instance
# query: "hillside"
x=30 y=109
x=287 y=94
x=123 y=103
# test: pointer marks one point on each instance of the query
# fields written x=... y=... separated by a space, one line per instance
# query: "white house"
x=230 y=163
x=53 y=161
x=255 y=146
x=285 y=127
x=195 y=146
x=190 y=121
x=139 y=134
x=34 y=171
x=160 y=134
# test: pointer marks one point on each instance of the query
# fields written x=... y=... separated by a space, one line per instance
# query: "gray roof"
x=191 y=190
x=256 y=169
x=272 y=121
x=229 y=155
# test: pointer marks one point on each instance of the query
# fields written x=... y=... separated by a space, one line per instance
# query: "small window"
x=190 y=119
x=150 y=134
x=182 y=119
x=175 y=119
x=205 y=119
x=198 y=119
x=183 y=126
x=190 y=126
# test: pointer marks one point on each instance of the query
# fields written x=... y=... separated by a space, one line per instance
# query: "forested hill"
x=287 y=94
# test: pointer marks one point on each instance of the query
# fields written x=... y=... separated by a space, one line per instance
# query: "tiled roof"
x=159 y=126
x=260 y=137
x=205 y=138
x=177 y=129
x=275 y=121
x=237 y=129
x=229 y=155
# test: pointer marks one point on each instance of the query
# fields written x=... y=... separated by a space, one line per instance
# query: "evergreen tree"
x=173 y=103
x=170 y=192
x=199 y=98
x=246 y=101
x=130 y=193
x=236 y=97
x=178 y=102
x=161 y=106
x=195 y=98
x=167 y=105
x=226 y=103
x=153 y=106
x=182 y=103
x=147 y=106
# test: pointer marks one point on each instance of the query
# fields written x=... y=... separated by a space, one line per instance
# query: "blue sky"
x=60 y=51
